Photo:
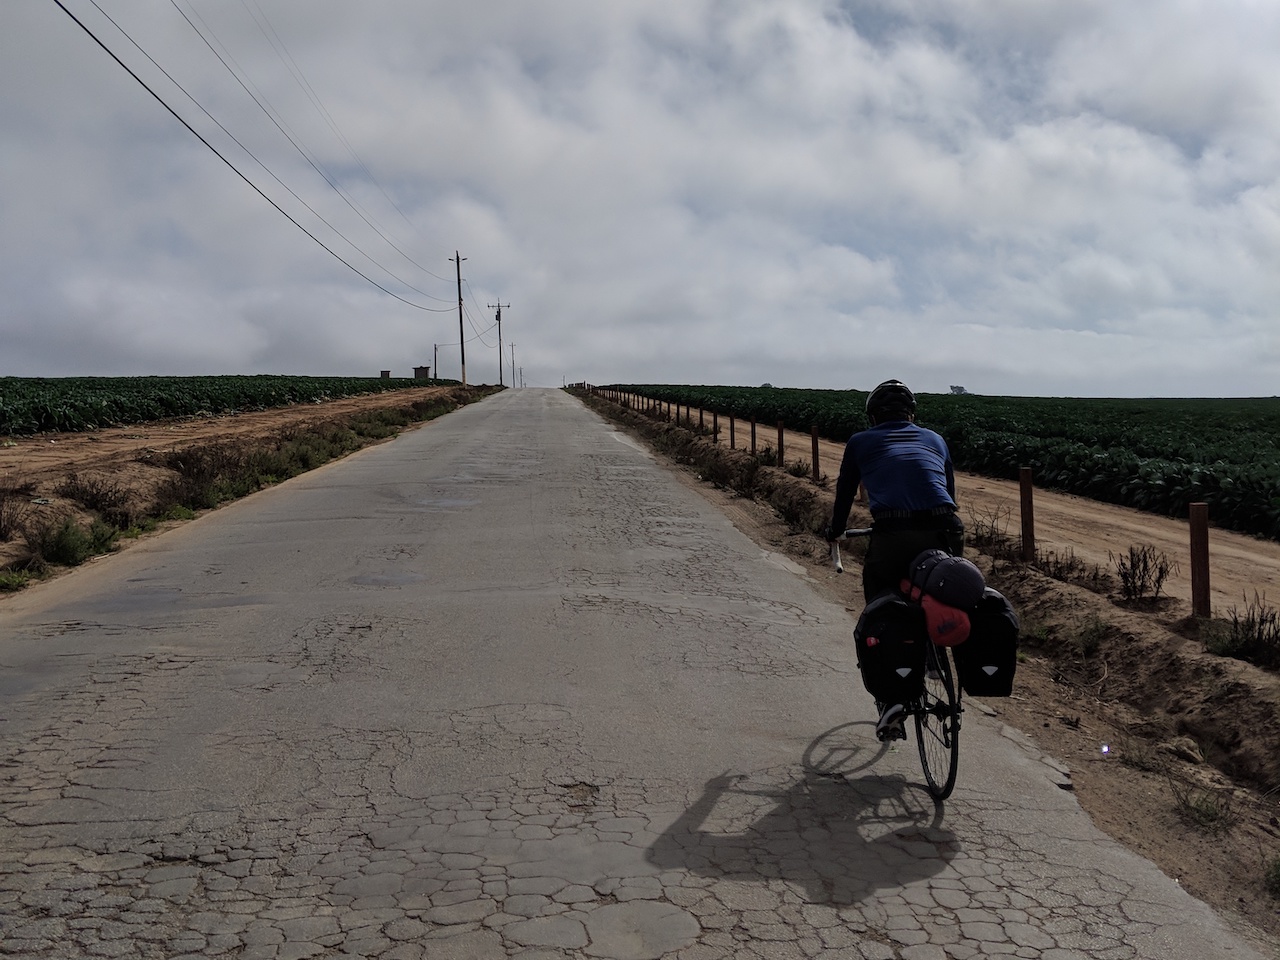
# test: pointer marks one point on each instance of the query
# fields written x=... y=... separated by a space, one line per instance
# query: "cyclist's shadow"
x=838 y=836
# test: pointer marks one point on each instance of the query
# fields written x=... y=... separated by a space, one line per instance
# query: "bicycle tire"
x=937 y=716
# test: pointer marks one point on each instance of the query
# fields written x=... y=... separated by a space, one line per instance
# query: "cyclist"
x=911 y=490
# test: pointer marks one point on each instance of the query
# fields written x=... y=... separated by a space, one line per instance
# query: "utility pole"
x=498 y=318
x=435 y=359
x=462 y=334
x=513 y=364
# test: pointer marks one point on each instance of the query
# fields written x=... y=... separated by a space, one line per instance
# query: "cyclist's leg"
x=953 y=538
x=889 y=555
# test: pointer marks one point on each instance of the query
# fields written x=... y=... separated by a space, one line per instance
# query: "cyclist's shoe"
x=891 y=725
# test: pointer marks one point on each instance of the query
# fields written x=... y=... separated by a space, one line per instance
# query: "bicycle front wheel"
x=938 y=724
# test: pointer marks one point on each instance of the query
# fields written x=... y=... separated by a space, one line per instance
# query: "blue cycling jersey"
x=904 y=468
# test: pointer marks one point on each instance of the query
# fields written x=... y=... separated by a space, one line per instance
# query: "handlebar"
x=847 y=535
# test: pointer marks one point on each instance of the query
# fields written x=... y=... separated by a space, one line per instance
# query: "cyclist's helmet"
x=892 y=400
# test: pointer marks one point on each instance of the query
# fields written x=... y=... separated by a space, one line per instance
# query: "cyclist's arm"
x=846 y=490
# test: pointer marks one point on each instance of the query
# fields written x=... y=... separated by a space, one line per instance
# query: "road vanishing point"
x=506 y=687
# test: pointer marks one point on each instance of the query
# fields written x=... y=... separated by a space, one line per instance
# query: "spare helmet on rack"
x=891 y=400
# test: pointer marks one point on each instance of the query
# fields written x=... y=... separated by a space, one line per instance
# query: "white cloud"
x=1016 y=196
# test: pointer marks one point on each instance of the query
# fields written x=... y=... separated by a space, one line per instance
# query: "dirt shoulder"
x=131 y=457
x=46 y=455
x=1091 y=532
x=1150 y=726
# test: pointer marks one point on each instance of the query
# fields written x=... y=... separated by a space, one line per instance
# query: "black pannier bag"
x=987 y=661
x=890 y=638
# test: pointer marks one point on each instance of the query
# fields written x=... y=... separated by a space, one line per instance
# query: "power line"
x=333 y=125
x=236 y=170
x=454 y=343
x=280 y=124
x=476 y=327
x=470 y=319
x=254 y=157
x=471 y=294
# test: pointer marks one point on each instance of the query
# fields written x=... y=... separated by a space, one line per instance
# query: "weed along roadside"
x=1173 y=748
x=123 y=486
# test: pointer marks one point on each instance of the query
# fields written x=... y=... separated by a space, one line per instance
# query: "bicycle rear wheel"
x=937 y=716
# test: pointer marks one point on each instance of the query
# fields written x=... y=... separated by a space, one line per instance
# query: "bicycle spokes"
x=938 y=725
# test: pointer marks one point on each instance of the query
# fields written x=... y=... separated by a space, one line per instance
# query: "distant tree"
x=958 y=390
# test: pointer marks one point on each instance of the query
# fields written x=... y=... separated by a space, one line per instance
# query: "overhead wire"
x=255 y=158
x=471 y=294
x=282 y=51
x=264 y=104
x=159 y=99
x=476 y=327
x=479 y=334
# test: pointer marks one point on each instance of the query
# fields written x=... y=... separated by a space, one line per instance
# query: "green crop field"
x=36 y=405
x=1158 y=455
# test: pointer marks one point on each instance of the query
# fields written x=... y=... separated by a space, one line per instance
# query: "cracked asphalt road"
x=503 y=688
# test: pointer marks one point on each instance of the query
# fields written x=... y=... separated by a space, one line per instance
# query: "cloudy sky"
x=1078 y=197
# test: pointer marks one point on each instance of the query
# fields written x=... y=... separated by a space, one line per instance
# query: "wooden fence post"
x=715 y=427
x=731 y=437
x=816 y=474
x=1028 y=517
x=1200 y=606
x=781 y=461
x=753 y=436
x=699 y=418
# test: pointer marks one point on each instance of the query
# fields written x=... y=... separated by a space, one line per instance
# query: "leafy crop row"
x=1158 y=455
x=37 y=405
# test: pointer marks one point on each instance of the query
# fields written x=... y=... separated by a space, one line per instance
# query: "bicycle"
x=936 y=710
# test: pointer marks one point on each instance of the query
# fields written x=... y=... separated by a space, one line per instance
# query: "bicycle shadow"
x=838 y=837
